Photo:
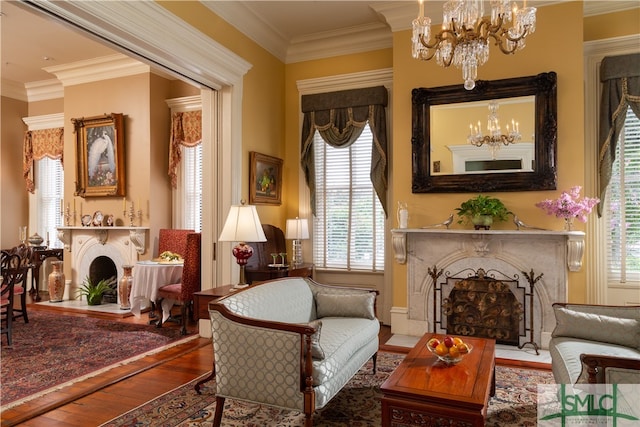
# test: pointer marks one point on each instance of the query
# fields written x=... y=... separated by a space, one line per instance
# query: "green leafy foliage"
x=94 y=291
x=482 y=205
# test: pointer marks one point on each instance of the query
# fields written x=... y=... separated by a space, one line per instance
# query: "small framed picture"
x=265 y=179
x=100 y=156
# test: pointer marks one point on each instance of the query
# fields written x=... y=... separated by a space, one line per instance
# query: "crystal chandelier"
x=464 y=39
x=494 y=138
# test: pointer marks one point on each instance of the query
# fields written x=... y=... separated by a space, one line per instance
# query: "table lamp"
x=297 y=229
x=242 y=225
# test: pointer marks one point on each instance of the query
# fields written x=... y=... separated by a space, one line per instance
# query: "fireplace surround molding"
x=122 y=245
x=512 y=252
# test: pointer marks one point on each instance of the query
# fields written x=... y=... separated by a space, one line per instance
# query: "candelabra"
x=132 y=214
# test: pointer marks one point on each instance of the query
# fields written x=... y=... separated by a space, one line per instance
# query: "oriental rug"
x=356 y=405
x=55 y=350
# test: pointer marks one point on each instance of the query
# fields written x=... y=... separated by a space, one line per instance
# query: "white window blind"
x=622 y=207
x=348 y=230
x=191 y=166
x=49 y=183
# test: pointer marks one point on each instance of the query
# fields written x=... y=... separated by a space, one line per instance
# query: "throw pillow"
x=345 y=305
x=316 y=350
x=596 y=327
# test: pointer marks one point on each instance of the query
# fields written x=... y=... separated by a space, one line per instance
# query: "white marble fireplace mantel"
x=481 y=238
x=137 y=235
x=551 y=254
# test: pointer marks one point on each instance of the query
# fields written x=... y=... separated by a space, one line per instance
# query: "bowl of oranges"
x=450 y=350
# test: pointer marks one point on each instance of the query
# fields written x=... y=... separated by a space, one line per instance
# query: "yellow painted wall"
x=263 y=97
x=13 y=194
x=542 y=54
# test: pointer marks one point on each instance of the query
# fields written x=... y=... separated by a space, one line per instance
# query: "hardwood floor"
x=99 y=399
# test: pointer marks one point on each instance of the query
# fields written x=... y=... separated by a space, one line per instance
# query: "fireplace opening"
x=103 y=268
x=482 y=306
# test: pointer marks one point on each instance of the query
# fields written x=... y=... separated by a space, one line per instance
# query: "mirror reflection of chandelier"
x=494 y=138
x=464 y=38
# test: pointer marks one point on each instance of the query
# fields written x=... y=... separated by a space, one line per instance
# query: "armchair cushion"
x=345 y=305
x=597 y=327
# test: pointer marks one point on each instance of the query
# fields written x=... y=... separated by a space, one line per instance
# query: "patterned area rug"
x=54 y=350
x=357 y=404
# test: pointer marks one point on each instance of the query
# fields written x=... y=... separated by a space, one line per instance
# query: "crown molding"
x=592 y=8
x=345 y=41
x=14 y=90
x=47 y=121
x=97 y=69
x=185 y=103
x=141 y=29
x=44 y=90
x=381 y=77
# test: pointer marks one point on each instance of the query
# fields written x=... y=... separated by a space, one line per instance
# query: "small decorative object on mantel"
x=403 y=215
x=446 y=223
x=569 y=206
x=481 y=211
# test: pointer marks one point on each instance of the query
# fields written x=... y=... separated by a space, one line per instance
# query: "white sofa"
x=595 y=344
x=291 y=343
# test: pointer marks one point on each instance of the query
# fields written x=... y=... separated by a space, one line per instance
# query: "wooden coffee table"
x=424 y=391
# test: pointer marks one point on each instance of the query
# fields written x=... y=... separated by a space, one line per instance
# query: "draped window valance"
x=186 y=130
x=620 y=77
x=39 y=144
x=339 y=117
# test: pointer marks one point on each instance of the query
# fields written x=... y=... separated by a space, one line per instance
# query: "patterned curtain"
x=620 y=77
x=37 y=145
x=340 y=117
x=186 y=130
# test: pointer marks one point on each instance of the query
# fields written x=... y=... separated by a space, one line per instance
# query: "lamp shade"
x=297 y=229
x=242 y=225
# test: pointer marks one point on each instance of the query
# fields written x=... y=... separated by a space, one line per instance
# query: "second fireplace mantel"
x=482 y=239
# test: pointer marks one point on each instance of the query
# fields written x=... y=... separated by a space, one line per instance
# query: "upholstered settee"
x=595 y=344
x=291 y=343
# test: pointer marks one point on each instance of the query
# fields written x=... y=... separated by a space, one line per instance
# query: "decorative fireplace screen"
x=479 y=304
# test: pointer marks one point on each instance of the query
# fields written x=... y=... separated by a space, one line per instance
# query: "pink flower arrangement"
x=569 y=205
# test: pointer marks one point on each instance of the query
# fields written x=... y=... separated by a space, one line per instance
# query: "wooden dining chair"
x=12 y=272
x=183 y=292
x=25 y=253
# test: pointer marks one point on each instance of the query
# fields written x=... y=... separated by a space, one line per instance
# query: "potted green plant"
x=481 y=211
x=94 y=291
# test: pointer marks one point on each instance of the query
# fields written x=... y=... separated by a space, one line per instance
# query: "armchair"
x=25 y=255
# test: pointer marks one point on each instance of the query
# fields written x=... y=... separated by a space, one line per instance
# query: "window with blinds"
x=191 y=165
x=348 y=231
x=623 y=206
x=49 y=184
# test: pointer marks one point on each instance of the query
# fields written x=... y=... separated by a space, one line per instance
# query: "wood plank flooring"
x=99 y=399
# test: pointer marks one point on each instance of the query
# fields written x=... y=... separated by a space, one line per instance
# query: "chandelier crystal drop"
x=464 y=38
x=494 y=138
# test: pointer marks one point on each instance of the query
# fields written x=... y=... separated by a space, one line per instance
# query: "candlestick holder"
x=139 y=217
x=67 y=216
x=132 y=215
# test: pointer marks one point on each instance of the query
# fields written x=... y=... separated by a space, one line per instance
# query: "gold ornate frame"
x=265 y=179
x=100 y=155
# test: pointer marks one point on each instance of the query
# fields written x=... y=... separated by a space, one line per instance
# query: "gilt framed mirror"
x=446 y=160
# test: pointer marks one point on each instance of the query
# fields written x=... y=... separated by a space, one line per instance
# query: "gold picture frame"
x=265 y=179
x=100 y=155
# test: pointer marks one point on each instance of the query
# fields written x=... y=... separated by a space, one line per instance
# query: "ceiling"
x=291 y=30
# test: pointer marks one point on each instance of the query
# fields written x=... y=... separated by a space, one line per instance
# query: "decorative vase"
x=36 y=240
x=568 y=224
x=403 y=215
x=124 y=287
x=482 y=221
x=56 y=282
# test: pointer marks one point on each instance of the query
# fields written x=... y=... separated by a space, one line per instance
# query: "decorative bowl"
x=454 y=356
